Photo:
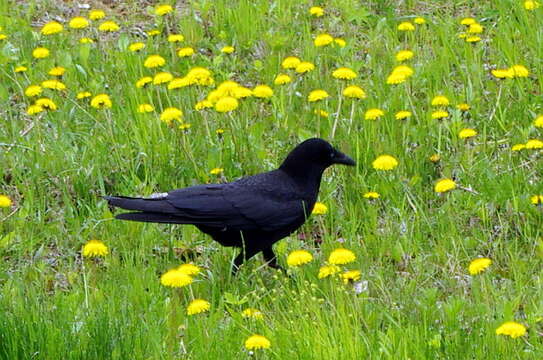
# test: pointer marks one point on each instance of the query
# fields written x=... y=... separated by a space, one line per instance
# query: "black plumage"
x=251 y=213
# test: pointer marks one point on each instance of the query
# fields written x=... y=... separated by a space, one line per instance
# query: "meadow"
x=438 y=227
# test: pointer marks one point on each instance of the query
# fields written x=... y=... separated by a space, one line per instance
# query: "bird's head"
x=315 y=154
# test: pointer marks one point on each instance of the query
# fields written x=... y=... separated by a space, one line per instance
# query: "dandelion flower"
x=256 y=342
x=226 y=104
x=323 y=40
x=137 y=46
x=340 y=42
x=473 y=39
x=40 y=53
x=444 y=185
x=475 y=28
x=399 y=74
x=20 y=69
x=53 y=84
x=463 y=107
x=406 y=26
x=184 y=127
x=175 y=278
x=179 y=83
x=200 y=76
x=282 y=79
x=479 y=265
x=162 y=77
x=170 y=114
x=153 y=32
x=101 y=101
x=189 y=269
x=385 y=162
x=33 y=90
x=162 y=10
x=402 y=115
x=52 y=27
x=86 y=40
x=204 y=104
x=290 y=62
x=78 y=22
x=5 y=201
x=531 y=5
x=154 y=61
x=143 y=81
x=198 y=306
x=538 y=122
x=518 y=147
x=503 y=73
x=175 y=38
x=97 y=14
x=419 y=21
x=321 y=113
x=341 y=256
x=145 y=108
x=344 y=73
x=371 y=195
x=354 y=92
x=252 y=313
x=512 y=329
x=536 y=199
x=316 y=11
x=440 y=100
x=108 y=26
x=534 y=144
x=57 y=71
x=47 y=104
x=216 y=171
x=467 y=133
x=228 y=50
x=299 y=257
x=185 y=52
x=304 y=67
x=319 y=209
x=95 y=248
x=434 y=158
x=351 y=276
x=262 y=91
x=468 y=21
x=519 y=71
x=439 y=114
x=317 y=95
x=404 y=55
x=373 y=114
x=34 y=109
x=328 y=270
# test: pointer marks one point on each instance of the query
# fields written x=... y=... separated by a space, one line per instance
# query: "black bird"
x=251 y=213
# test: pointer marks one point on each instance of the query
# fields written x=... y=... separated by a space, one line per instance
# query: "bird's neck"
x=306 y=177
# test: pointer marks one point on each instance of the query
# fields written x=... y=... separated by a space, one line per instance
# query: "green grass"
x=413 y=246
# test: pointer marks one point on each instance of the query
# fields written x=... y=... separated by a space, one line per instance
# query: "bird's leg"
x=245 y=254
x=271 y=259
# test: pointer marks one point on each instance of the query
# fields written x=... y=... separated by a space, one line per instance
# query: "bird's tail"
x=156 y=210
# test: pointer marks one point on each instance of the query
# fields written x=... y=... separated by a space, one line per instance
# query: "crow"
x=251 y=213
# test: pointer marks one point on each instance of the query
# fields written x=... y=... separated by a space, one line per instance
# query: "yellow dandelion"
x=53 y=84
x=402 y=115
x=435 y=158
x=463 y=107
x=512 y=329
x=94 y=248
x=178 y=83
x=328 y=270
x=216 y=171
x=162 y=78
x=226 y=104
x=109 y=26
x=351 y=276
x=321 y=113
x=404 y=55
x=5 y=201
x=175 y=38
x=468 y=21
x=304 y=67
x=252 y=313
x=299 y=257
x=373 y=114
x=479 y=265
x=419 y=21
x=185 y=52
x=33 y=90
x=162 y=10
x=536 y=199
x=204 y=104
x=137 y=46
x=78 y=22
x=198 y=306
x=189 y=269
x=184 y=127
x=519 y=71
x=344 y=73
x=262 y=91
x=170 y=114
x=86 y=40
x=467 y=133
x=439 y=114
x=175 y=278
x=319 y=209
x=475 y=28
x=97 y=14
x=385 y=162
x=316 y=11
x=317 y=95
x=20 y=69
x=228 y=49
x=47 y=104
x=145 y=108
x=40 y=53
x=400 y=74
x=282 y=79
x=34 y=109
x=52 y=27
x=444 y=185
x=143 y=81
x=200 y=76
x=57 y=71
x=473 y=39
x=371 y=195
x=531 y=5
x=518 y=147
x=153 y=32
x=534 y=144
x=354 y=92
x=290 y=62
x=341 y=256
x=406 y=26
x=154 y=61
x=503 y=73
x=323 y=40
x=440 y=100
x=101 y=101
x=256 y=342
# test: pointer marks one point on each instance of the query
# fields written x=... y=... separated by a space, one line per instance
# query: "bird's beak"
x=341 y=158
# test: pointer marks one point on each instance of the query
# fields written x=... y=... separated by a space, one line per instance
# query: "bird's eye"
x=332 y=155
